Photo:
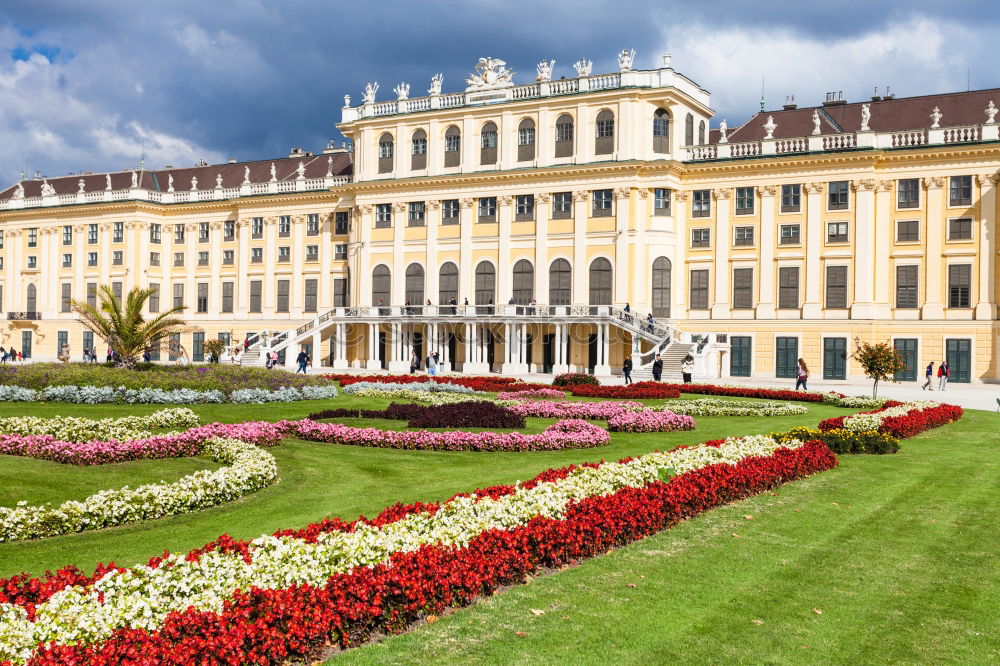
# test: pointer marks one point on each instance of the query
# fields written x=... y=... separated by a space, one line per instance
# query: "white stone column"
x=721 y=268
x=340 y=355
x=812 y=272
x=560 y=365
x=466 y=271
x=317 y=349
x=467 y=347
x=365 y=220
x=508 y=350
x=603 y=367
x=372 y=362
x=933 y=283
x=543 y=211
x=505 y=277
x=580 y=269
x=619 y=274
x=883 y=247
x=431 y=270
x=986 y=308
x=640 y=298
x=864 y=250
x=678 y=279
x=398 y=264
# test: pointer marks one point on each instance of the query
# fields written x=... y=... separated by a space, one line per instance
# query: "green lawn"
x=898 y=552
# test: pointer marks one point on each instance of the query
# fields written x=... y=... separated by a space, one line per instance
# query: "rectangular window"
x=788 y=287
x=699 y=289
x=605 y=128
x=960 y=191
x=67 y=234
x=310 y=295
x=907 y=231
x=154 y=258
x=33 y=236
x=908 y=193
x=32 y=261
x=283 y=286
x=198 y=347
x=906 y=287
x=701 y=237
x=284 y=226
x=960 y=229
x=415 y=214
x=116 y=289
x=487 y=209
x=385 y=150
x=340 y=251
x=743 y=236
x=256 y=289
x=420 y=146
x=67 y=297
x=178 y=295
x=489 y=139
x=383 y=216
x=837 y=195
x=67 y=260
x=661 y=201
x=91 y=235
x=524 y=207
x=178 y=258
x=118 y=232
x=312 y=224
x=203 y=232
x=91 y=258
x=312 y=252
x=341 y=222
x=562 y=205
x=564 y=131
x=791 y=198
x=452 y=143
x=526 y=136
x=836 y=232
x=701 y=203
x=789 y=234
x=257 y=255
x=284 y=254
x=203 y=258
x=745 y=200
x=601 y=201
x=1 y=240
x=257 y=227
x=178 y=233
x=155 y=233
x=154 y=297
x=117 y=258
x=229 y=230
x=228 y=257
x=340 y=295
x=959 y=285
x=202 y=297
x=92 y=294
x=742 y=288
x=449 y=211
x=227 y=296
x=836 y=287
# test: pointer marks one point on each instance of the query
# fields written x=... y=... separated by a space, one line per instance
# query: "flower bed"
x=575 y=379
x=250 y=469
x=573 y=410
x=567 y=434
x=650 y=421
x=479 y=414
x=479 y=384
x=845 y=441
x=636 y=391
x=532 y=394
x=901 y=420
x=181 y=396
x=284 y=597
x=76 y=429
x=853 y=401
x=714 y=407
x=356 y=388
x=745 y=392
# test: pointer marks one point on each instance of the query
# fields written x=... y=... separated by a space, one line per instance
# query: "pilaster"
x=720 y=304
x=986 y=307
x=765 y=302
x=580 y=268
x=864 y=250
x=933 y=304
x=620 y=278
x=813 y=273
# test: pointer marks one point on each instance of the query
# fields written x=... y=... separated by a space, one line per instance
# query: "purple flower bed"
x=650 y=421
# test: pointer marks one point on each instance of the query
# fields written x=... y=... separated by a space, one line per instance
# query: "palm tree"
x=125 y=329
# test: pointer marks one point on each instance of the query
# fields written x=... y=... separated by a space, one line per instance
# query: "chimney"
x=875 y=97
x=835 y=98
x=790 y=103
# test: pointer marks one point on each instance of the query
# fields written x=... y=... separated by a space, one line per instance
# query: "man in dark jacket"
x=627 y=370
x=657 y=368
x=303 y=360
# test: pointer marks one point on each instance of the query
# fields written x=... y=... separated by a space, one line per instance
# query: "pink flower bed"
x=575 y=410
x=650 y=421
x=534 y=394
x=99 y=452
x=566 y=434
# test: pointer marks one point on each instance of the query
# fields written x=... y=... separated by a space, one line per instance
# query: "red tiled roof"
x=158 y=180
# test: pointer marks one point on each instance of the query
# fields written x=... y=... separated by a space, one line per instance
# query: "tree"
x=880 y=361
x=214 y=349
x=125 y=329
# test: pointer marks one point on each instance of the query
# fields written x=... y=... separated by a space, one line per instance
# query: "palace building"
x=560 y=224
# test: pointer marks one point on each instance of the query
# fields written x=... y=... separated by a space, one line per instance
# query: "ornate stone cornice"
x=621 y=193
x=768 y=190
x=581 y=195
x=465 y=203
x=721 y=193
x=933 y=182
x=866 y=184
x=812 y=188
x=543 y=197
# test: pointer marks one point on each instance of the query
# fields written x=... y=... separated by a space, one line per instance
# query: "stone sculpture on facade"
x=625 y=58
x=583 y=67
x=170 y=182
x=135 y=180
x=991 y=113
x=107 y=179
x=347 y=101
x=194 y=183
x=368 y=97
x=80 y=187
x=490 y=73
x=769 y=127
x=402 y=91
x=545 y=70
x=866 y=115
x=329 y=167
x=936 y=116
x=816 y=130
x=274 y=173
x=436 y=82
x=19 y=191
x=246 y=175
x=301 y=170
x=47 y=190
x=723 y=128
x=218 y=181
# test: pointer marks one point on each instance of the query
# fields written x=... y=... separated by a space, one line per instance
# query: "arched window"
x=604 y=144
x=381 y=285
x=526 y=140
x=689 y=130
x=661 y=131
x=489 y=140
x=701 y=133
x=415 y=284
x=524 y=282
x=386 y=150
x=418 y=150
x=661 y=288
x=31 y=300
x=447 y=283
x=600 y=282
x=560 y=283
x=486 y=283
x=564 y=135
x=452 y=146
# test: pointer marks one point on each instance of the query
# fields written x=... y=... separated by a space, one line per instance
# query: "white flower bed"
x=110 y=394
x=141 y=597
x=422 y=387
x=419 y=395
x=853 y=401
x=717 y=407
x=250 y=469
x=866 y=422
x=77 y=429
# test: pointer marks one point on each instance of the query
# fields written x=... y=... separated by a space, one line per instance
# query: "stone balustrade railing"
x=846 y=141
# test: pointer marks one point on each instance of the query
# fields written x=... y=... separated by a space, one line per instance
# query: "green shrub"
x=845 y=441
x=575 y=379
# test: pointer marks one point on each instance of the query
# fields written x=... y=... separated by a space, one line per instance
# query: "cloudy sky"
x=87 y=85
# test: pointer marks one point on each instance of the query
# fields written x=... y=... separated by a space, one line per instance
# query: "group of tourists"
x=11 y=355
x=687 y=369
x=431 y=363
x=943 y=373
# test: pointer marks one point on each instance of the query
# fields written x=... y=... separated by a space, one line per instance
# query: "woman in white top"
x=687 y=368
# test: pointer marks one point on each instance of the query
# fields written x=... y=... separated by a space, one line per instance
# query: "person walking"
x=943 y=373
x=627 y=313
x=928 y=377
x=146 y=356
x=432 y=364
x=414 y=362
x=111 y=355
x=649 y=322
x=246 y=344
x=303 y=360
x=801 y=376
x=12 y=355
x=627 y=370
x=20 y=357
x=657 y=368
x=3 y=354
x=687 y=368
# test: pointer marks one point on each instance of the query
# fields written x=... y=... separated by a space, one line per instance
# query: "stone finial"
x=816 y=131
x=402 y=91
x=991 y=113
x=80 y=185
x=368 y=97
x=723 y=128
x=544 y=69
x=347 y=101
x=218 y=181
x=301 y=170
x=666 y=59
x=583 y=67
x=436 y=82
x=936 y=116
x=194 y=183
x=866 y=115
x=625 y=58
x=769 y=127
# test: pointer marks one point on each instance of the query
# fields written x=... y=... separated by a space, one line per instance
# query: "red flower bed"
x=907 y=425
x=632 y=391
x=748 y=392
x=274 y=626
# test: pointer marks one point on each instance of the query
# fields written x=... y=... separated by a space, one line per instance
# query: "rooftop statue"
x=402 y=91
x=301 y=169
x=583 y=67
x=769 y=127
x=47 y=190
x=246 y=175
x=625 y=59
x=816 y=130
x=936 y=116
x=368 y=97
x=80 y=186
x=490 y=73
x=218 y=181
x=274 y=171
x=866 y=115
x=194 y=183
x=107 y=178
x=991 y=113
x=170 y=182
x=545 y=70
x=19 y=191
x=135 y=180
x=723 y=128
x=436 y=82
